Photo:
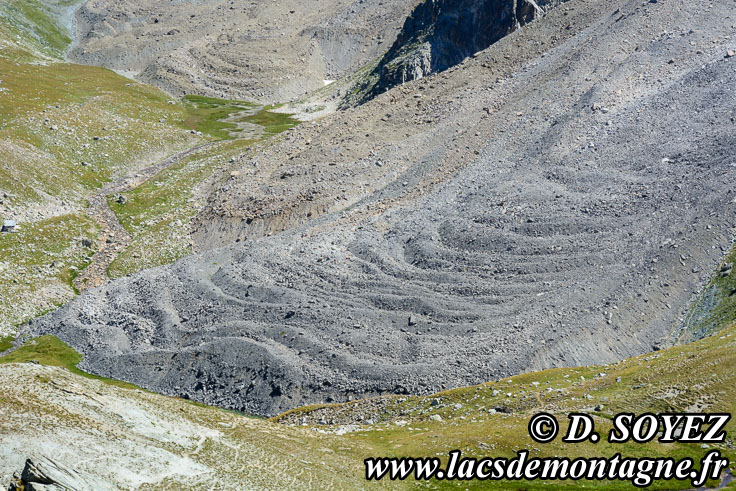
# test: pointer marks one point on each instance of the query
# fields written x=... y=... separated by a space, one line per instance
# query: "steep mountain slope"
x=65 y=130
x=554 y=201
x=440 y=34
x=264 y=51
x=37 y=28
x=72 y=134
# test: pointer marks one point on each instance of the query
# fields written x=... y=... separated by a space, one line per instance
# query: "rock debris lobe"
x=554 y=200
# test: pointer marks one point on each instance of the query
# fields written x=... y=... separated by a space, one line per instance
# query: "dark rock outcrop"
x=442 y=33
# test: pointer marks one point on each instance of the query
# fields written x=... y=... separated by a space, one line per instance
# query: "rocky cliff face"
x=441 y=33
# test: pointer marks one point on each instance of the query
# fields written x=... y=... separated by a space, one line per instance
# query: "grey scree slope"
x=507 y=264
x=263 y=50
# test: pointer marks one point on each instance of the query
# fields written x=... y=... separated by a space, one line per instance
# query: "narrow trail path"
x=113 y=236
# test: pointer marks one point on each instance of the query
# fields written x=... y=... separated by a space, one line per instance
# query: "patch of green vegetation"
x=272 y=122
x=157 y=213
x=51 y=351
x=716 y=305
x=37 y=265
x=73 y=275
x=208 y=115
x=32 y=28
x=219 y=118
x=43 y=380
x=6 y=343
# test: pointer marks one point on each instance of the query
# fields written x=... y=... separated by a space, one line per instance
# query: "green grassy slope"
x=158 y=212
x=50 y=351
x=716 y=305
x=65 y=130
x=35 y=29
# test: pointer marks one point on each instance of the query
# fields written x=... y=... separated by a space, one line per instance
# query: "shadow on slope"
x=440 y=34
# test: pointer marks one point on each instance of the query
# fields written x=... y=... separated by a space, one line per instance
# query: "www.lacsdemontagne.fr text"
x=641 y=472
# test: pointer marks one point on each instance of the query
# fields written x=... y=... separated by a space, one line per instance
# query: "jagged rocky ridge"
x=528 y=211
x=440 y=34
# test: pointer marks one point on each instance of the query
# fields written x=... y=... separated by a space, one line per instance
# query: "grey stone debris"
x=431 y=40
x=533 y=238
